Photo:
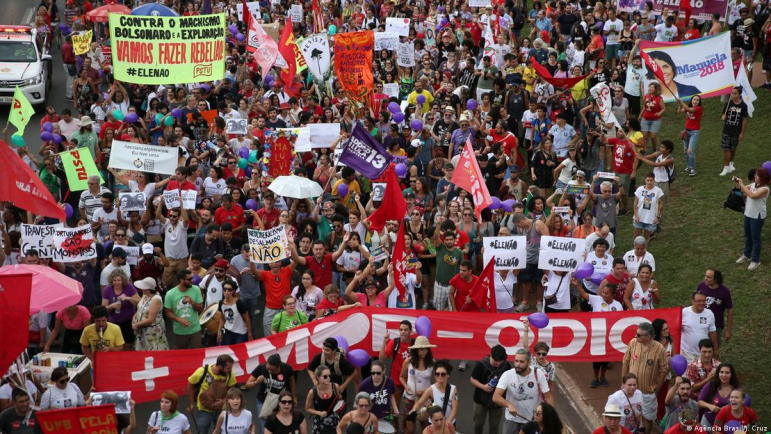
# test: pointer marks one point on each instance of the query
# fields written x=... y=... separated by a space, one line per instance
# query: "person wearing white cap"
x=148 y=321
x=85 y=135
x=611 y=421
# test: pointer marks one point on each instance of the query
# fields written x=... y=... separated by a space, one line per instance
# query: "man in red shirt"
x=611 y=421
x=231 y=213
x=508 y=142
x=460 y=289
x=624 y=163
x=619 y=277
x=278 y=283
x=180 y=181
x=398 y=349
x=268 y=214
x=259 y=132
x=321 y=263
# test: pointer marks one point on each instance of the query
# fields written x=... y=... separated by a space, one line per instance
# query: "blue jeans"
x=752 y=230
x=691 y=138
x=257 y=415
x=231 y=338
x=206 y=421
x=252 y=304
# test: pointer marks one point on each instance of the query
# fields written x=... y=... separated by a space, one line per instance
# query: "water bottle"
x=493 y=382
x=117 y=311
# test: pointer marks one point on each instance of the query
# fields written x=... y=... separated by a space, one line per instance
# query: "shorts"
x=441 y=296
x=531 y=273
x=729 y=143
x=611 y=51
x=624 y=180
x=648 y=227
x=650 y=406
x=650 y=126
x=560 y=187
x=748 y=59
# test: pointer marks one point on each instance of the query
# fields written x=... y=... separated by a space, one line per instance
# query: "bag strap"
x=446 y=399
x=633 y=412
x=226 y=421
x=200 y=381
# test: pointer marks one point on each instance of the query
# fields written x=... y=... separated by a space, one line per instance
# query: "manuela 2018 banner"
x=166 y=50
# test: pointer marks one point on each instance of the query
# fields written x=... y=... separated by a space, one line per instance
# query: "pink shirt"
x=79 y=322
x=380 y=300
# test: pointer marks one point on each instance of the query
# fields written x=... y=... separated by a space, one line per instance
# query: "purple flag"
x=365 y=154
x=206 y=8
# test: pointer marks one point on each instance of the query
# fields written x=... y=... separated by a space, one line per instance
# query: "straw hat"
x=612 y=410
x=421 y=342
x=85 y=121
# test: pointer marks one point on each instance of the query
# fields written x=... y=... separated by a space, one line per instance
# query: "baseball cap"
x=370 y=282
x=118 y=252
x=147 y=248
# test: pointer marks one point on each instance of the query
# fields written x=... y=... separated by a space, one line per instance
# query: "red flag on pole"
x=15 y=291
x=653 y=66
x=393 y=205
x=567 y=82
x=318 y=17
x=21 y=186
x=483 y=293
x=399 y=258
x=286 y=48
x=687 y=9
x=469 y=177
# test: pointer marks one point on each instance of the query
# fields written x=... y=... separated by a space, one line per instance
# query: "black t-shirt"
x=276 y=427
x=441 y=127
x=276 y=382
x=484 y=372
x=346 y=369
x=489 y=172
x=12 y=423
x=734 y=117
x=566 y=22
x=742 y=35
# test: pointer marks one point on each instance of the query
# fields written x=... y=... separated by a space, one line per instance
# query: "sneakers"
x=462 y=365
x=742 y=259
x=522 y=307
x=692 y=172
x=731 y=168
x=595 y=384
x=539 y=307
x=604 y=382
x=726 y=171
x=753 y=265
x=687 y=170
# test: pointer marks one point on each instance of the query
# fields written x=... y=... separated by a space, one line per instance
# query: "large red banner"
x=573 y=337
x=15 y=292
x=99 y=419
x=353 y=64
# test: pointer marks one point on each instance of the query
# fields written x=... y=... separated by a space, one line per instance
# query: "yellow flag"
x=81 y=43
x=21 y=111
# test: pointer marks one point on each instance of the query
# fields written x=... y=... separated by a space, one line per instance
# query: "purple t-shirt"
x=380 y=396
x=127 y=310
x=716 y=400
x=718 y=300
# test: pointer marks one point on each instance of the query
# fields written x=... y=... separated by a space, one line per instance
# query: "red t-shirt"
x=276 y=287
x=601 y=430
x=174 y=185
x=269 y=218
x=620 y=286
x=652 y=106
x=234 y=216
x=322 y=270
x=747 y=418
x=462 y=290
x=623 y=155
x=693 y=120
x=399 y=358
x=114 y=125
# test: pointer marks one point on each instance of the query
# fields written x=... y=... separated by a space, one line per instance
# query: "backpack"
x=734 y=201
x=671 y=172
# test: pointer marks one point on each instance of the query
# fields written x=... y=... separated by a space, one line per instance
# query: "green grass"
x=698 y=233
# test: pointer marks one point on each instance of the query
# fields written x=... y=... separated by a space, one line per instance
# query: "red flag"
x=247 y=19
x=653 y=66
x=286 y=48
x=568 y=82
x=685 y=7
x=468 y=177
x=318 y=17
x=79 y=420
x=393 y=206
x=399 y=258
x=483 y=293
x=15 y=292
x=21 y=186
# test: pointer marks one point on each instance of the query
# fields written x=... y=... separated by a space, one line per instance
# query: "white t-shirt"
x=524 y=392
x=599 y=305
x=6 y=389
x=631 y=408
x=696 y=326
x=648 y=203
x=560 y=287
x=614 y=28
x=504 y=290
x=55 y=398
x=527 y=118
x=105 y=276
x=237 y=425
x=601 y=265
x=633 y=262
x=408 y=301
x=214 y=289
x=148 y=191
x=213 y=188
x=664 y=33
x=176 y=425
x=234 y=322
x=591 y=238
x=100 y=213
x=307 y=303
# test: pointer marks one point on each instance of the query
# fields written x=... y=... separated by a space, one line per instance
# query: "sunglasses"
x=63 y=381
x=286 y=402
x=324 y=376
x=440 y=374
x=542 y=354
x=173 y=216
x=376 y=373
x=219 y=270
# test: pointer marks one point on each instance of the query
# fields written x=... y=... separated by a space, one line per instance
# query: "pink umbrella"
x=102 y=13
x=51 y=290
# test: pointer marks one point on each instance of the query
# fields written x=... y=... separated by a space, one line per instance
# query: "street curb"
x=578 y=402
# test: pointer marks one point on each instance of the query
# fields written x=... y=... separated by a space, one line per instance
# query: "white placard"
x=606 y=175
x=391 y=89
x=510 y=252
x=560 y=253
x=386 y=41
x=323 y=135
x=296 y=12
x=560 y=210
x=172 y=199
x=132 y=254
x=479 y=3
x=189 y=198
x=73 y=244
x=38 y=237
x=254 y=8
x=131 y=201
x=122 y=400
x=236 y=126
x=405 y=56
x=336 y=157
x=378 y=190
x=267 y=247
x=303 y=141
x=144 y=158
x=400 y=26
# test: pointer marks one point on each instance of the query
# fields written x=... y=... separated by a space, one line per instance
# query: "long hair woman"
x=235 y=418
x=416 y=376
x=286 y=418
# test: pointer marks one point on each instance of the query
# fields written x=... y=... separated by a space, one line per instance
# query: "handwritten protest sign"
x=189 y=198
x=236 y=126
x=386 y=41
x=73 y=244
x=172 y=198
x=146 y=158
x=510 y=252
x=168 y=50
x=296 y=13
x=38 y=237
x=391 y=89
x=405 y=56
x=479 y=3
x=81 y=42
x=132 y=254
x=606 y=175
x=131 y=201
x=560 y=254
x=400 y=26
x=268 y=246
x=93 y=419
x=323 y=135
x=353 y=64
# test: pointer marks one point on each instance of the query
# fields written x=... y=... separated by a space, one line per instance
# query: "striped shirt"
x=91 y=202
x=647 y=362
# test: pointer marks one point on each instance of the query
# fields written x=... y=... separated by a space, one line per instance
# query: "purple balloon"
x=342 y=189
x=248 y=171
x=48 y=126
x=269 y=79
x=46 y=136
x=539 y=320
x=233 y=29
x=342 y=342
x=206 y=88
x=509 y=203
x=243 y=152
x=471 y=104
x=57 y=139
x=584 y=270
x=240 y=37
x=251 y=204
x=423 y=326
x=401 y=170
x=358 y=358
x=416 y=125
x=767 y=165
x=177 y=113
x=398 y=117
x=496 y=203
x=132 y=117
x=440 y=9
x=444 y=22
x=421 y=99
x=196 y=279
x=505 y=206
x=598 y=277
x=394 y=108
x=68 y=210
x=679 y=364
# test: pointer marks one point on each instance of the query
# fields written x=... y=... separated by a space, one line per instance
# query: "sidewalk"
x=576 y=377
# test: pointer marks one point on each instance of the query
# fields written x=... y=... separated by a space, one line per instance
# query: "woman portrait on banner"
x=670 y=88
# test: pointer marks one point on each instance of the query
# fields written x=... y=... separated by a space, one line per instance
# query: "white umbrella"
x=296 y=187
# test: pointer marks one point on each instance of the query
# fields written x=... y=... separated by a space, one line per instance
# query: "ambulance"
x=24 y=62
